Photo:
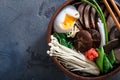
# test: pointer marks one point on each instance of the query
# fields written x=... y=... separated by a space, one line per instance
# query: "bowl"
x=60 y=66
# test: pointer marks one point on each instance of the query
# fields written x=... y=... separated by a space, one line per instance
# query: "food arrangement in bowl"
x=84 y=40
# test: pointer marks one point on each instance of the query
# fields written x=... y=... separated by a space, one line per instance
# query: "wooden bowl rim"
x=78 y=77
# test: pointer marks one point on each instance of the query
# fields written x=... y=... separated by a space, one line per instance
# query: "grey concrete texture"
x=23 y=26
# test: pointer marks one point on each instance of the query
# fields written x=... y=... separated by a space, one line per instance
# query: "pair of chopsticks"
x=111 y=12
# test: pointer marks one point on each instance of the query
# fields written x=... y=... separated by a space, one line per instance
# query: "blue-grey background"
x=23 y=25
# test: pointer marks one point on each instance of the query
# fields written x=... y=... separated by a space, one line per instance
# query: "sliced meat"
x=110 y=23
x=81 y=10
x=86 y=16
x=82 y=41
x=92 y=17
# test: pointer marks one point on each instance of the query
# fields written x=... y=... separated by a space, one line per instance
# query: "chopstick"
x=111 y=12
x=115 y=6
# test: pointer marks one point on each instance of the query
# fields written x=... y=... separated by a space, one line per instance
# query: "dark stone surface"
x=23 y=25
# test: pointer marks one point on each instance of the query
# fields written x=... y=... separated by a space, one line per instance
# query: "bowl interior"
x=50 y=31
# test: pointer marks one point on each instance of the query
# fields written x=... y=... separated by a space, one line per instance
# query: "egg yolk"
x=68 y=21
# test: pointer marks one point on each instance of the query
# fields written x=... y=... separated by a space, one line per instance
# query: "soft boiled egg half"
x=65 y=20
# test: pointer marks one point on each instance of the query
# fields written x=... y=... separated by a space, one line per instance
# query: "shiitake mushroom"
x=112 y=44
x=114 y=34
x=83 y=41
x=96 y=37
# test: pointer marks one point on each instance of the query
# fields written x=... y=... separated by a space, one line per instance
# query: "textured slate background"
x=23 y=25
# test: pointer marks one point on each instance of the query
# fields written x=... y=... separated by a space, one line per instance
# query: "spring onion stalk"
x=95 y=5
x=103 y=20
x=102 y=33
x=71 y=59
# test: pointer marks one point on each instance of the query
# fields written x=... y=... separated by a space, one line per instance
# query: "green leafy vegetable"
x=106 y=64
x=102 y=61
x=111 y=57
x=99 y=60
x=64 y=40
